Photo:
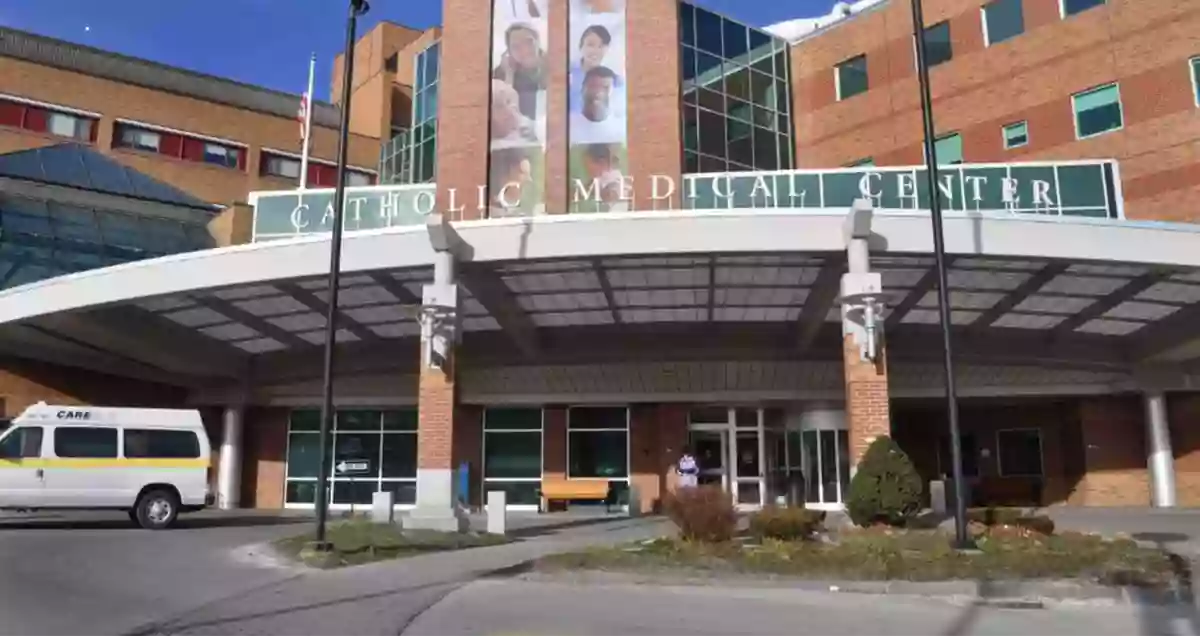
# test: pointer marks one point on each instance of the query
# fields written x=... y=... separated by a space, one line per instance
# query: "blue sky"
x=267 y=42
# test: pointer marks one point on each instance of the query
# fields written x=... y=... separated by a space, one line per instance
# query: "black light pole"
x=357 y=8
x=939 y=251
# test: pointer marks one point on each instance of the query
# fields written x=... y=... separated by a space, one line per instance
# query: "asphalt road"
x=525 y=608
x=93 y=573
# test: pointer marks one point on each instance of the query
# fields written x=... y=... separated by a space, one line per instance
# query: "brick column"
x=468 y=447
x=464 y=98
x=655 y=138
x=867 y=410
x=554 y=444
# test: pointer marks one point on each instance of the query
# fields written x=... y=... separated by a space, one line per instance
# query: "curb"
x=1000 y=594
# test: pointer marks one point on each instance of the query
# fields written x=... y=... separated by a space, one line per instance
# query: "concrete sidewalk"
x=383 y=598
x=1174 y=529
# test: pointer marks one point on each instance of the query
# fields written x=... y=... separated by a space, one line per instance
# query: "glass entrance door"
x=709 y=449
x=822 y=457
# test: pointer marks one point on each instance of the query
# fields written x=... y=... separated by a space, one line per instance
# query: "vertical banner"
x=517 y=166
x=597 y=101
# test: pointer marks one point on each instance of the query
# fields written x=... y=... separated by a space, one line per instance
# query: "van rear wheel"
x=157 y=509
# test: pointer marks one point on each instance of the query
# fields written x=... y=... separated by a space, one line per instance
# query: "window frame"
x=1062 y=9
x=943 y=137
x=485 y=480
x=983 y=20
x=47 y=109
x=266 y=153
x=837 y=77
x=165 y=134
x=628 y=478
x=1075 y=110
x=1194 y=73
x=1000 y=453
x=54 y=442
x=1004 y=134
x=13 y=431
x=126 y=430
x=950 y=39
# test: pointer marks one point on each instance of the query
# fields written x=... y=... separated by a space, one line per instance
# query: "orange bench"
x=569 y=489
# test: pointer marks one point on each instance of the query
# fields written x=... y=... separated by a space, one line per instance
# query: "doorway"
x=818 y=453
x=728 y=445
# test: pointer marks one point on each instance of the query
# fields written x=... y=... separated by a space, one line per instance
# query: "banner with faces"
x=596 y=104
x=517 y=161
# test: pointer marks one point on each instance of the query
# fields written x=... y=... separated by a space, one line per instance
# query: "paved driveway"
x=94 y=573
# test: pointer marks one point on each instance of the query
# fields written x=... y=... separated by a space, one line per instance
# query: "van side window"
x=161 y=444
x=82 y=441
x=23 y=443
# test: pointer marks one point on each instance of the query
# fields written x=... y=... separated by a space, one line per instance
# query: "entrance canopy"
x=582 y=289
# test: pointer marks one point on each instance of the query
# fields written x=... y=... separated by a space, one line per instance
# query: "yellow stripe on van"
x=105 y=462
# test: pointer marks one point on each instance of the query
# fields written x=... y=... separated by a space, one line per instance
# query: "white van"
x=152 y=463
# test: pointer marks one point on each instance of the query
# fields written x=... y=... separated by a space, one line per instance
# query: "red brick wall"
x=264 y=458
x=435 y=417
x=1114 y=453
x=1183 y=413
x=27 y=382
x=1143 y=44
x=867 y=409
x=554 y=443
x=468 y=447
x=655 y=131
x=464 y=99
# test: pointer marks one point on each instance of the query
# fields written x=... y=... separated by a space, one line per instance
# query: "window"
x=970 y=456
x=1097 y=111
x=279 y=166
x=24 y=442
x=937 y=44
x=178 y=145
x=370 y=451
x=1195 y=65
x=1071 y=7
x=45 y=119
x=1019 y=452
x=1016 y=135
x=85 y=442
x=851 y=77
x=320 y=173
x=357 y=179
x=1002 y=20
x=949 y=149
x=392 y=63
x=512 y=453
x=861 y=163
x=598 y=443
x=147 y=443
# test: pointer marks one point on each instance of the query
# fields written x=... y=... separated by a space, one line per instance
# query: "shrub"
x=886 y=488
x=703 y=514
x=785 y=524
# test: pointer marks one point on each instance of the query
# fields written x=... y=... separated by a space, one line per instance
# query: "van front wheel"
x=157 y=509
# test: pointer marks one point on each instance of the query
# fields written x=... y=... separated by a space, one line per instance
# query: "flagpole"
x=308 y=111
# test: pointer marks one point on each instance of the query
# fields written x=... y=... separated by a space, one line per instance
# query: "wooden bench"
x=567 y=490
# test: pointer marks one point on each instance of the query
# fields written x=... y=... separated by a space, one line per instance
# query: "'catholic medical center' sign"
x=1089 y=189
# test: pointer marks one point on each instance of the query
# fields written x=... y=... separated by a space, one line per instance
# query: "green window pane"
x=1084 y=189
x=1097 y=111
x=1002 y=20
x=512 y=419
x=358 y=420
x=517 y=493
x=305 y=420
x=400 y=420
x=399 y=455
x=598 y=454
x=1016 y=135
x=866 y=161
x=937 y=44
x=595 y=417
x=851 y=77
x=304 y=455
x=512 y=455
x=1071 y=7
x=1196 y=79
x=949 y=150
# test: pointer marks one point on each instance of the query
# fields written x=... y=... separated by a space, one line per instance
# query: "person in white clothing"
x=688 y=469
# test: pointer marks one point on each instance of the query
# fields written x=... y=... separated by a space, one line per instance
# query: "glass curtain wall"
x=371 y=451
x=512 y=454
x=736 y=96
x=411 y=156
x=598 y=444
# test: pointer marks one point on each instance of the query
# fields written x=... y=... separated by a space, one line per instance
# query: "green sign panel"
x=1084 y=189
x=291 y=213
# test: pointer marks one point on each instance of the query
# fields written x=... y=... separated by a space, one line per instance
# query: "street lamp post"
x=939 y=250
x=357 y=8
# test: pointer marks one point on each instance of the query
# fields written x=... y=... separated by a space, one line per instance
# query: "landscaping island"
x=359 y=541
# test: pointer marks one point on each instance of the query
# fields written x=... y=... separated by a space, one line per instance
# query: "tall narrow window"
x=937 y=44
x=949 y=150
x=1195 y=64
x=1097 y=111
x=1002 y=20
x=851 y=77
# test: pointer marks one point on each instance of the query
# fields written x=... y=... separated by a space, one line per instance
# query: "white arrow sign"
x=354 y=466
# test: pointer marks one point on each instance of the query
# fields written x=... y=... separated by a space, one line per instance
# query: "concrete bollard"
x=634 y=501
x=938 y=497
x=497 y=512
x=383 y=507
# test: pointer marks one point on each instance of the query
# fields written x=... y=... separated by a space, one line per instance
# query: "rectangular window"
x=1097 y=111
x=178 y=145
x=85 y=442
x=937 y=44
x=150 y=443
x=220 y=155
x=512 y=454
x=45 y=119
x=358 y=179
x=851 y=77
x=1016 y=135
x=1002 y=20
x=370 y=451
x=598 y=443
x=278 y=166
x=139 y=139
x=1071 y=7
x=1019 y=452
x=23 y=443
x=949 y=149
x=1195 y=66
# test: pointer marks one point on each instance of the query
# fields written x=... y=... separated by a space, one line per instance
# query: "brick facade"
x=867 y=409
x=264 y=457
x=1183 y=413
x=1144 y=45
x=1114 y=445
x=435 y=417
x=27 y=382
